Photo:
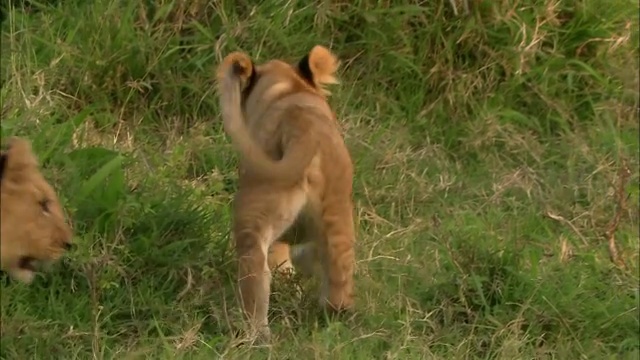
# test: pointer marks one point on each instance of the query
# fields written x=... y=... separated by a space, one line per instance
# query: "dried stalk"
x=621 y=205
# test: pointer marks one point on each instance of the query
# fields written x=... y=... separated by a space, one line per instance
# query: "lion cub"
x=32 y=224
x=295 y=173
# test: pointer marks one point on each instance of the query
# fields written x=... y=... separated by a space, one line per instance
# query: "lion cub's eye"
x=44 y=204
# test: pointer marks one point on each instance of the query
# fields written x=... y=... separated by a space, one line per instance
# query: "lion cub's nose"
x=67 y=246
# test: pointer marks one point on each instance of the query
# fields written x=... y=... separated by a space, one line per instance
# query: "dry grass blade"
x=573 y=227
x=621 y=205
x=566 y=253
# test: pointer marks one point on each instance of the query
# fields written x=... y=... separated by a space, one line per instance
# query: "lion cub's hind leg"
x=336 y=250
x=259 y=219
x=279 y=258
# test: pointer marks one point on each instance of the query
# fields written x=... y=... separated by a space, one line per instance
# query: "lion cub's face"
x=32 y=222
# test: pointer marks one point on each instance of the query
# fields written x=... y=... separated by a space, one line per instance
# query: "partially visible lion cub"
x=32 y=224
x=295 y=177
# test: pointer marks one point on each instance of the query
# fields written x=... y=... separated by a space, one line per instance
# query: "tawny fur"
x=295 y=177
x=33 y=229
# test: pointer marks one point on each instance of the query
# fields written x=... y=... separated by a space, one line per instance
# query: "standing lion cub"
x=295 y=177
x=32 y=224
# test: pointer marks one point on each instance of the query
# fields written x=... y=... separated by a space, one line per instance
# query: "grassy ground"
x=490 y=152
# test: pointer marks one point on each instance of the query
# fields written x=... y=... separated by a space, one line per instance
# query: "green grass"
x=487 y=150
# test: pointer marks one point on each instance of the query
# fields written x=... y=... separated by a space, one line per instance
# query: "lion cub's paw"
x=337 y=303
x=258 y=336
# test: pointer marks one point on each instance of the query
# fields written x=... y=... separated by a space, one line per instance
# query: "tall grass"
x=488 y=151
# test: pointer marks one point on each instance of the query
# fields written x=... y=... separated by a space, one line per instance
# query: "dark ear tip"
x=3 y=164
x=305 y=69
x=239 y=70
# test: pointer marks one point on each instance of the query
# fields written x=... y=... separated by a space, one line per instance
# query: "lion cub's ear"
x=18 y=155
x=318 y=67
x=238 y=65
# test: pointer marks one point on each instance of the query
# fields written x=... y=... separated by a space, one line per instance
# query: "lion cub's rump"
x=32 y=223
x=293 y=162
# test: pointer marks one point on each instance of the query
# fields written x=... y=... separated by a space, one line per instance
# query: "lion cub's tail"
x=234 y=74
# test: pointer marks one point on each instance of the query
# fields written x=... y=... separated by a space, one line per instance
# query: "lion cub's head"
x=32 y=222
x=267 y=82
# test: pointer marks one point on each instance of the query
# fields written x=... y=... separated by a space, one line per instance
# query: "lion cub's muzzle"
x=27 y=266
x=27 y=263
